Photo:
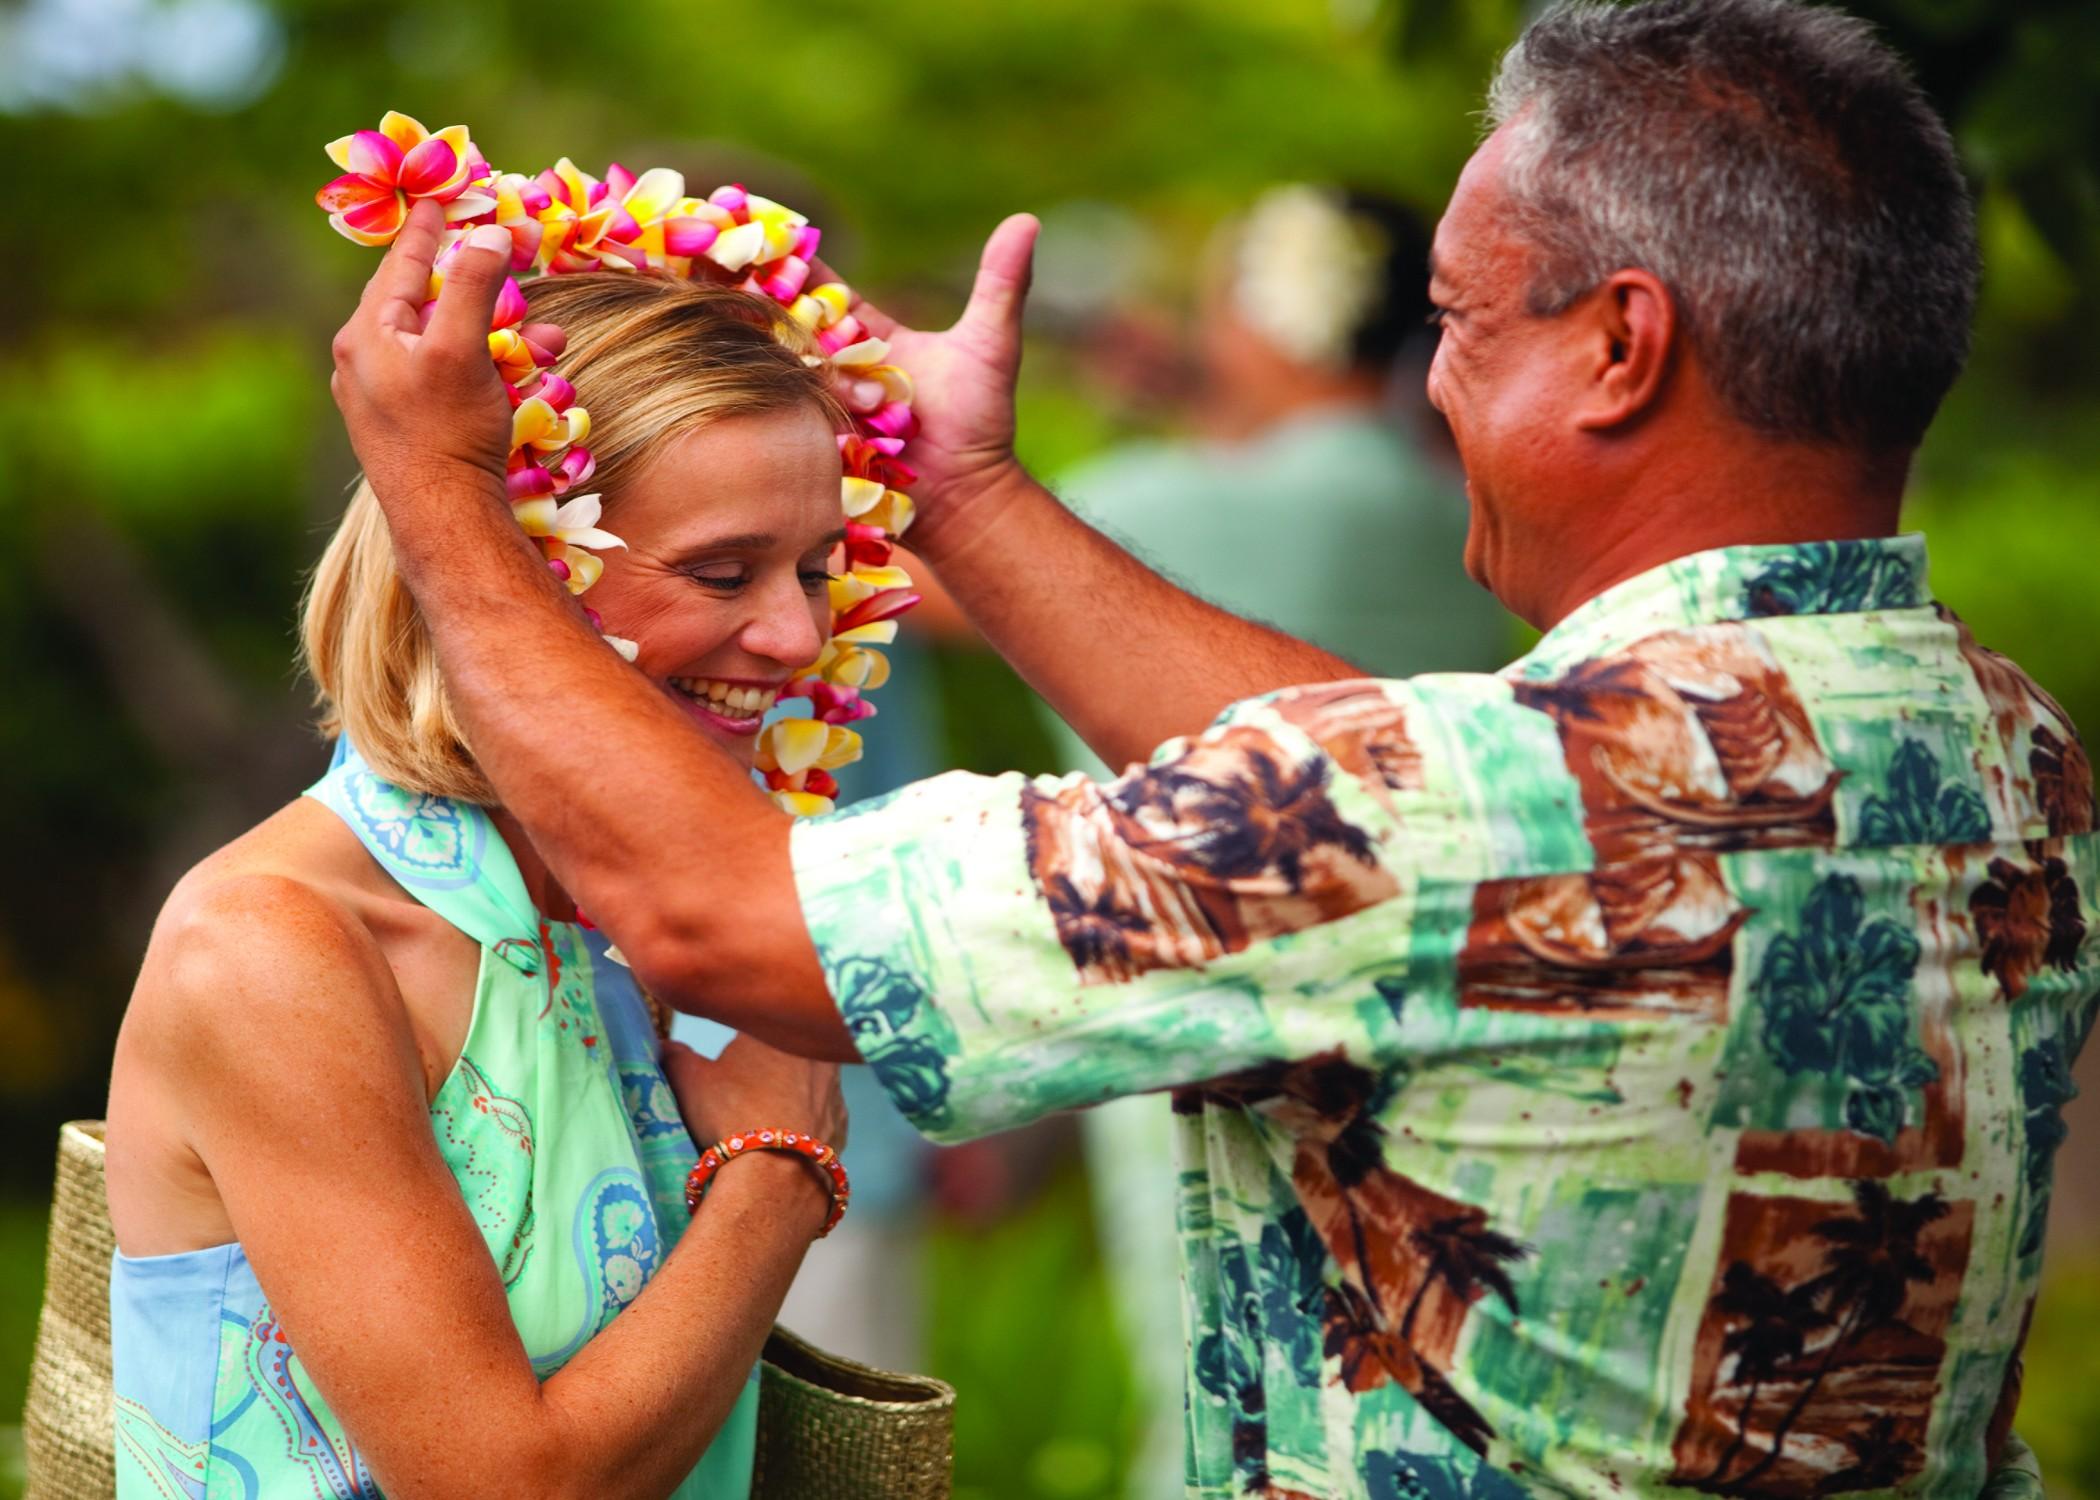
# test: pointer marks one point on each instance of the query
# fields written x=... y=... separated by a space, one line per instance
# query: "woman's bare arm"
x=273 y=1018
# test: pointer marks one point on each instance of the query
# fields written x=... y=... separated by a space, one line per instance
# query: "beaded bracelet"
x=819 y=1155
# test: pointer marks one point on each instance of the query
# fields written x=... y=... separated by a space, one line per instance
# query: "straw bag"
x=828 y=1429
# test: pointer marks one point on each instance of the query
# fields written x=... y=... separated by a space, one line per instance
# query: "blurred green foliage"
x=173 y=460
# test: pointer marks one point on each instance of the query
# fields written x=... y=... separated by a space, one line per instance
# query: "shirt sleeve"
x=1002 y=947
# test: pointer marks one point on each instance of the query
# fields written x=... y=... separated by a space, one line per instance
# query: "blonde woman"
x=389 y=1144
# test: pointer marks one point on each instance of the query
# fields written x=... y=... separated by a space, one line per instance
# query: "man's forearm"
x=658 y=835
x=1126 y=657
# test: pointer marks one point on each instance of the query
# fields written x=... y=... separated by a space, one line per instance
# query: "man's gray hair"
x=1776 y=166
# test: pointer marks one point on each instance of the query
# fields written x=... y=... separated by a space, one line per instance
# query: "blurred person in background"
x=1320 y=494
x=397 y=1177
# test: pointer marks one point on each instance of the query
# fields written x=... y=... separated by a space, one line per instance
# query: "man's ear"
x=1635 y=328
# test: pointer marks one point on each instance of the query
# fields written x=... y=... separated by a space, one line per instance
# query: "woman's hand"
x=424 y=405
x=964 y=450
x=751 y=1086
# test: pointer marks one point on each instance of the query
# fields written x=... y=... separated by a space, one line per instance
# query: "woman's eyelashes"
x=732 y=578
x=720 y=578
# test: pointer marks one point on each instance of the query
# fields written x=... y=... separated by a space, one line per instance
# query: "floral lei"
x=563 y=221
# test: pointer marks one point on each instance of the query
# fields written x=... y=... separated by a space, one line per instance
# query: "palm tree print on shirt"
x=2063 y=780
x=2029 y=918
x=1412 y=1263
x=1831 y=1326
x=1836 y=999
x=1232 y=841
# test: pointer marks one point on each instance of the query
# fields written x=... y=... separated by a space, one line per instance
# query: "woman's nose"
x=789 y=626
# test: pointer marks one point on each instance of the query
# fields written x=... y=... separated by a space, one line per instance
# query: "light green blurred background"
x=170 y=459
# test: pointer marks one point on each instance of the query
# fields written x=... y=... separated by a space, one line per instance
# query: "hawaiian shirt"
x=1636 y=1071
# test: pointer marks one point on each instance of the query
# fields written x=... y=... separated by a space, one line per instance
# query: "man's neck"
x=1701 y=499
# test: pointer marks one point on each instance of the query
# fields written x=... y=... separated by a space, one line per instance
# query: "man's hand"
x=964 y=376
x=424 y=406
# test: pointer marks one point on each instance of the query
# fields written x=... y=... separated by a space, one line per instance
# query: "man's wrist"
x=965 y=508
x=432 y=486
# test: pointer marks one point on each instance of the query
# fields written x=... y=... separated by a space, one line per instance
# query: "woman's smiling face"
x=730 y=533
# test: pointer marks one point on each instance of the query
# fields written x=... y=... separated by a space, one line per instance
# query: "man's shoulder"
x=1861 y=729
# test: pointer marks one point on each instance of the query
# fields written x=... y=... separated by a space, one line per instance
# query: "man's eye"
x=720 y=582
x=816 y=578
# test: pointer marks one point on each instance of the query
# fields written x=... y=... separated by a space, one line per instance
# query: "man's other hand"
x=964 y=377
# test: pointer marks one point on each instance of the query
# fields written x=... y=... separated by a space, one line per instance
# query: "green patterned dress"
x=565 y=1140
x=1632 y=1073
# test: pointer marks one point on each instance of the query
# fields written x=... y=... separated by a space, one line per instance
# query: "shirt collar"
x=1738 y=583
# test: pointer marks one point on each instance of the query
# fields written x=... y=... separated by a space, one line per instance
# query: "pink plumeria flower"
x=388 y=170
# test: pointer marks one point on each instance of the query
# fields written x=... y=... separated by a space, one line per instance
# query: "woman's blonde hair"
x=653 y=359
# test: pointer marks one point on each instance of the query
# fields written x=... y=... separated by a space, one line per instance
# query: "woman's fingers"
x=467 y=303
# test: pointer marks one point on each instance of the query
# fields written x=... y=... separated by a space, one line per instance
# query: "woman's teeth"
x=726 y=698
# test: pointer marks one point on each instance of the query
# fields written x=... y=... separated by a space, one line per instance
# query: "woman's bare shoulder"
x=296 y=887
x=263 y=972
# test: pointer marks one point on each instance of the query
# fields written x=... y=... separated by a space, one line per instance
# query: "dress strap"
x=444 y=852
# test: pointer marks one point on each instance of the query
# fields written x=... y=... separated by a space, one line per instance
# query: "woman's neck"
x=545 y=892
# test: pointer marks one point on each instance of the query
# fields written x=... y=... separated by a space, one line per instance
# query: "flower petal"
x=429 y=169
x=859 y=496
x=510 y=306
x=533 y=422
x=881 y=633
x=584 y=510
x=792 y=745
x=591 y=536
x=654 y=193
x=528 y=480
x=405 y=131
x=376 y=157
x=738 y=247
x=689 y=236
x=374 y=223
x=536 y=515
x=349 y=190
x=472 y=204
x=584 y=569
x=866 y=354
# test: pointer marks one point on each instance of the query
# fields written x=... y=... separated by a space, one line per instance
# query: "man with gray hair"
x=1636 y=1069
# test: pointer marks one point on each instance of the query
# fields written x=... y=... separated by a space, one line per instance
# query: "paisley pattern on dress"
x=314 y=1443
x=486 y=1139
x=617 y=1251
x=423 y=838
x=174 y=1467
